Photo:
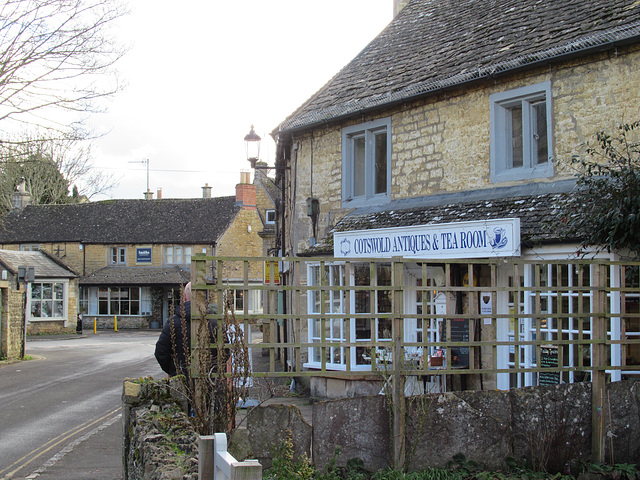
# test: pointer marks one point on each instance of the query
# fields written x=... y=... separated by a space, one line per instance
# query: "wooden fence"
x=497 y=323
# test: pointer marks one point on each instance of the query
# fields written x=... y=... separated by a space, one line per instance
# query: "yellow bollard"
x=115 y=323
x=95 y=326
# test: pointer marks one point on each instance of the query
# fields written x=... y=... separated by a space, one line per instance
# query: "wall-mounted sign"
x=143 y=255
x=477 y=239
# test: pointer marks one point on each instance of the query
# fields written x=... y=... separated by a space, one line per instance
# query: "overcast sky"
x=200 y=74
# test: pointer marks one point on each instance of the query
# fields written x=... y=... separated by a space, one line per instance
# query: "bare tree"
x=55 y=55
x=50 y=169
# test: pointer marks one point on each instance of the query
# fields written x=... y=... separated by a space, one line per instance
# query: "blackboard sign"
x=459 y=333
x=548 y=359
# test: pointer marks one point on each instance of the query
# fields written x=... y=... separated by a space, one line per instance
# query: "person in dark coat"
x=169 y=351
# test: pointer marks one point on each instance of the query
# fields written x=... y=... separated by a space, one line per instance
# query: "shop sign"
x=143 y=255
x=477 y=239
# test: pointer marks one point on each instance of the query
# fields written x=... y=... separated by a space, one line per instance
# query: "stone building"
x=452 y=129
x=38 y=294
x=132 y=256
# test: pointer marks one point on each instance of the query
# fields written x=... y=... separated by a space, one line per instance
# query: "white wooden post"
x=215 y=463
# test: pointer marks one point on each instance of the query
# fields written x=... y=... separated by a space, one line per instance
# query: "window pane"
x=46 y=309
x=36 y=290
x=58 y=308
x=178 y=254
x=58 y=291
x=47 y=291
x=35 y=309
x=381 y=163
x=541 y=149
x=358 y=167
x=516 y=137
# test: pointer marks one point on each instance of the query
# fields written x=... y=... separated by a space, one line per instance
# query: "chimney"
x=246 y=192
x=20 y=198
x=159 y=195
x=398 y=5
x=206 y=191
x=148 y=195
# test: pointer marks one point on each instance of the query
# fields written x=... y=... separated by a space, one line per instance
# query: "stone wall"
x=11 y=321
x=485 y=426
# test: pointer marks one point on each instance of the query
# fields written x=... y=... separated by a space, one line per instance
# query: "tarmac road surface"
x=60 y=414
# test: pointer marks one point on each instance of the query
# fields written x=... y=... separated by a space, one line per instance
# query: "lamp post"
x=252 y=143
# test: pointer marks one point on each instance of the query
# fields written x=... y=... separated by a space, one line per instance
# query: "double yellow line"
x=52 y=444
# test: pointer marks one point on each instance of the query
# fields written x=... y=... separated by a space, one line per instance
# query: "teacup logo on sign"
x=499 y=238
x=345 y=247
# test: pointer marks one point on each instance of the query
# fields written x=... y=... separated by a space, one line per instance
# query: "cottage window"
x=521 y=135
x=366 y=163
x=47 y=300
x=178 y=254
x=118 y=255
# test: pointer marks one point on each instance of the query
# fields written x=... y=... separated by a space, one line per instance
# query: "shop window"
x=364 y=329
x=119 y=301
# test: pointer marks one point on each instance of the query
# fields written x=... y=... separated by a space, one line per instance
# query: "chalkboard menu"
x=459 y=333
x=548 y=359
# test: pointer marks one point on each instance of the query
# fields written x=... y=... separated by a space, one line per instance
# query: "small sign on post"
x=548 y=359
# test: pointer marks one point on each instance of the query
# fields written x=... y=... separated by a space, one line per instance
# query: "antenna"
x=143 y=161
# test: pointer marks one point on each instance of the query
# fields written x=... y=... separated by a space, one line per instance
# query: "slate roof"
x=122 y=221
x=44 y=266
x=436 y=44
x=169 y=275
x=541 y=217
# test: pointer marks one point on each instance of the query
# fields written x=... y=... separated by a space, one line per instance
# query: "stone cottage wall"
x=485 y=426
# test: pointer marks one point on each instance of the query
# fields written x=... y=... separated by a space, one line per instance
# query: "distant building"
x=132 y=256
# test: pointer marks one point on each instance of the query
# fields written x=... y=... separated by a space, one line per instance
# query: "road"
x=60 y=413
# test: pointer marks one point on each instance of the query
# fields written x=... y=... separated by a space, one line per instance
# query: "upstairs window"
x=366 y=163
x=118 y=256
x=270 y=217
x=178 y=254
x=521 y=135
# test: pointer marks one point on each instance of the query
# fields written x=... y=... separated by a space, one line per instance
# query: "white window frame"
x=526 y=331
x=502 y=104
x=270 y=213
x=118 y=256
x=367 y=131
x=173 y=253
x=65 y=300
x=337 y=333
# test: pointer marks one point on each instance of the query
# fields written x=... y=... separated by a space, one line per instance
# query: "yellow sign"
x=272 y=269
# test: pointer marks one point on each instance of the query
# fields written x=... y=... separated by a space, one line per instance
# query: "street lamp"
x=252 y=144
